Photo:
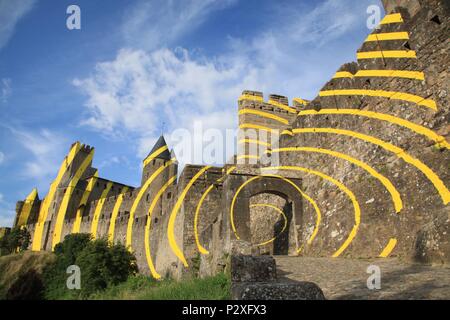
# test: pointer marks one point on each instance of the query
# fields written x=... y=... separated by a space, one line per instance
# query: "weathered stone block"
x=253 y=269
x=278 y=291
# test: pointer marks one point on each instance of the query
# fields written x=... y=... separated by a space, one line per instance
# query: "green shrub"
x=100 y=263
x=16 y=241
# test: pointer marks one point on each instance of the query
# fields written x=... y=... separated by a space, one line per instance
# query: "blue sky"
x=135 y=64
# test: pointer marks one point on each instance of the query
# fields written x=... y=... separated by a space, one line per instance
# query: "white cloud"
x=46 y=150
x=7 y=214
x=152 y=24
x=6 y=90
x=139 y=89
x=10 y=14
x=2 y=157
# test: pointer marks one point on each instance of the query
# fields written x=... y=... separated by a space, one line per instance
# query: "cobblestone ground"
x=347 y=278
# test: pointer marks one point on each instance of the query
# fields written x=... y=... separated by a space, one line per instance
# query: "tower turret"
x=158 y=157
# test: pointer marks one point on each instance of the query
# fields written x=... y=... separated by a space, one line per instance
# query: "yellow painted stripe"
x=83 y=202
x=301 y=101
x=155 y=200
x=440 y=140
x=256 y=127
x=57 y=231
x=308 y=198
x=342 y=187
x=26 y=209
x=387 y=36
x=201 y=249
x=263 y=114
x=115 y=213
x=46 y=203
x=342 y=74
x=173 y=216
x=262 y=143
x=392 y=18
x=282 y=106
x=395 y=195
x=98 y=209
x=287 y=132
x=416 y=75
x=388 y=249
x=142 y=191
x=399 y=152
x=393 y=95
x=251 y=98
x=280 y=212
x=154 y=155
x=386 y=54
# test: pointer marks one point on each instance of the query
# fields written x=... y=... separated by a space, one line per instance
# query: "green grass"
x=145 y=288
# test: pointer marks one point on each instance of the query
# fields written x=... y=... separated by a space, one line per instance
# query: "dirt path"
x=347 y=278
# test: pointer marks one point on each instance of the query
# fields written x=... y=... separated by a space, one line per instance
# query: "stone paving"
x=341 y=278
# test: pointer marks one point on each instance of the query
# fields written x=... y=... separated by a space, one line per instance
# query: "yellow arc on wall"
x=45 y=205
x=173 y=216
x=83 y=202
x=27 y=206
x=98 y=209
x=115 y=213
x=399 y=152
x=281 y=214
x=348 y=192
x=66 y=198
x=142 y=191
x=430 y=134
x=155 y=200
x=395 y=195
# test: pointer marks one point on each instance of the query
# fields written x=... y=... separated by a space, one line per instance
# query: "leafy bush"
x=101 y=265
x=16 y=241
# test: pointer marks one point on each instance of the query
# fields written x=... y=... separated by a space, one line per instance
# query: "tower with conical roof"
x=159 y=156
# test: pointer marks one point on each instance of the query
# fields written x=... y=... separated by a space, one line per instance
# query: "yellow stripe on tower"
x=388 y=249
x=173 y=216
x=387 y=36
x=399 y=152
x=46 y=203
x=282 y=106
x=251 y=98
x=342 y=187
x=416 y=75
x=155 y=200
x=115 y=213
x=263 y=114
x=395 y=195
x=142 y=191
x=154 y=155
x=66 y=198
x=26 y=209
x=256 y=127
x=393 y=95
x=392 y=18
x=430 y=134
x=386 y=54
x=98 y=210
x=83 y=202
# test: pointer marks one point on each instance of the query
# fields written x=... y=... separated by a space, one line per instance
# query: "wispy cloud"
x=152 y=24
x=2 y=157
x=10 y=14
x=46 y=151
x=139 y=89
x=6 y=90
x=7 y=212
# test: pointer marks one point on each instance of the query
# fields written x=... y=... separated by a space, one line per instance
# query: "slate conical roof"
x=160 y=150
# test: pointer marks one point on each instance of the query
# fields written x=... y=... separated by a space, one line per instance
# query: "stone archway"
x=241 y=188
